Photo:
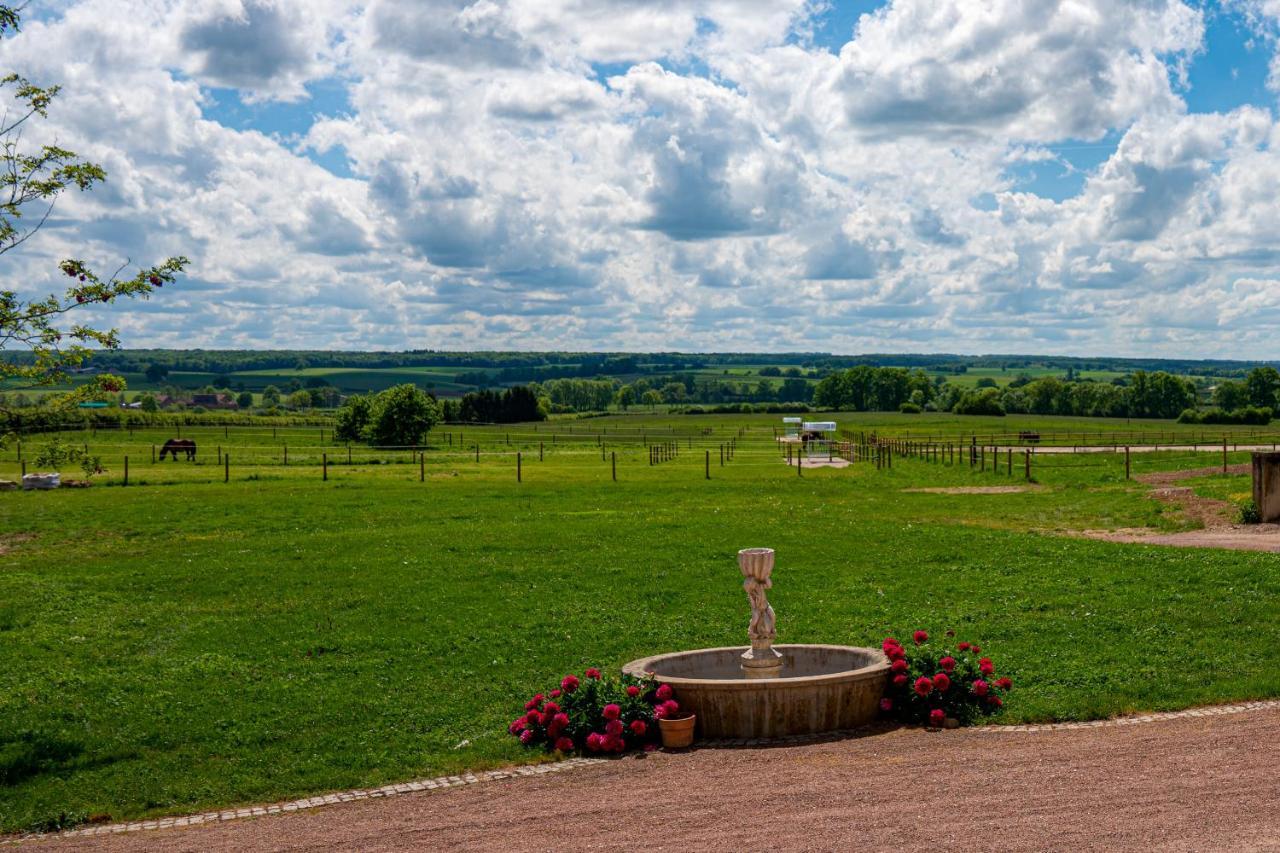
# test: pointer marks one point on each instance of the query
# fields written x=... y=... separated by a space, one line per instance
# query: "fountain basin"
x=819 y=689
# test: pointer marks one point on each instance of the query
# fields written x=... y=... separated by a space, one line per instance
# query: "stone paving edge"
x=459 y=780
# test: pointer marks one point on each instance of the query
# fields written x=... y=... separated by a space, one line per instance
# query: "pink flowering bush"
x=595 y=714
x=931 y=682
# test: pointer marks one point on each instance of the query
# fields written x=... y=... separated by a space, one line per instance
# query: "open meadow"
x=215 y=634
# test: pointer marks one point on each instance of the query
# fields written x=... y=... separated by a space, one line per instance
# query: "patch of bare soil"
x=9 y=541
x=836 y=462
x=1192 y=783
x=975 y=490
x=1217 y=518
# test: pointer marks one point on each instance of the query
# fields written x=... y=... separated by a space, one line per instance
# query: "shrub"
x=985 y=401
x=595 y=714
x=910 y=408
x=929 y=684
x=1249 y=513
x=1249 y=415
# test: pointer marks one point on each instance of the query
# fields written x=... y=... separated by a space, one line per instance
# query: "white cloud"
x=658 y=174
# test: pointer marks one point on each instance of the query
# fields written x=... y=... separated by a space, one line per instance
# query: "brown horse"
x=174 y=445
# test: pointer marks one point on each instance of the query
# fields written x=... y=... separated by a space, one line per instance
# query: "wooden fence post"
x=126 y=470
x=540 y=451
x=226 y=468
x=153 y=454
x=708 y=464
x=518 y=465
x=324 y=465
x=614 y=458
x=1126 y=462
x=1027 y=454
x=1224 y=454
x=422 y=467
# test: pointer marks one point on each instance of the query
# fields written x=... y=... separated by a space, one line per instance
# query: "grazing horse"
x=174 y=445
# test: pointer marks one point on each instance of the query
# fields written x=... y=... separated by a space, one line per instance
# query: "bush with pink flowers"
x=932 y=682
x=595 y=714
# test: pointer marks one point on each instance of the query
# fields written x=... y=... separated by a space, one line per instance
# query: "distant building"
x=214 y=401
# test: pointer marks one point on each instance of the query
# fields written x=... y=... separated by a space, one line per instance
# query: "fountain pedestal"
x=761 y=660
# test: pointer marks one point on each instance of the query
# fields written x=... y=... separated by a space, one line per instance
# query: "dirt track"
x=1219 y=529
x=1191 y=783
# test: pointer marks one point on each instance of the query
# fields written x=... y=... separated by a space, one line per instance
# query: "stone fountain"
x=762 y=690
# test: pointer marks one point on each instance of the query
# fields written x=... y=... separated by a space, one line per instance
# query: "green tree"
x=155 y=372
x=353 y=418
x=300 y=399
x=271 y=396
x=1230 y=396
x=148 y=403
x=651 y=398
x=32 y=179
x=244 y=400
x=626 y=397
x=1263 y=385
x=401 y=417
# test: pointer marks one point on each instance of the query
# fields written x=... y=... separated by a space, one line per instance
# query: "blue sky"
x=941 y=175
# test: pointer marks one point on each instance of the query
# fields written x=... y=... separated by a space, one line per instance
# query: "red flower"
x=886 y=704
x=551 y=708
x=612 y=744
x=980 y=687
x=660 y=711
x=593 y=673
x=986 y=667
x=937 y=718
x=1004 y=683
x=526 y=737
x=613 y=728
x=942 y=682
x=995 y=700
x=517 y=725
x=896 y=653
x=898 y=666
x=555 y=694
x=671 y=707
x=920 y=637
x=948 y=663
x=899 y=680
x=611 y=712
x=923 y=686
x=561 y=719
x=594 y=740
x=533 y=703
x=663 y=692
x=964 y=647
x=975 y=648
x=569 y=683
x=638 y=728
x=564 y=744
x=889 y=642
x=633 y=691
x=533 y=718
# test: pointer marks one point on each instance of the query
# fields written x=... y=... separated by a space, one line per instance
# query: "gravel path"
x=1189 y=783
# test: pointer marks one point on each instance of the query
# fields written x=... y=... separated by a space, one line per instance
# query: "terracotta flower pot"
x=677 y=733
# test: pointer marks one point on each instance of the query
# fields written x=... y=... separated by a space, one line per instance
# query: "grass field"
x=185 y=643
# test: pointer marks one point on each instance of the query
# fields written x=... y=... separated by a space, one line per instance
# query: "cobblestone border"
x=463 y=779
x=877 y=728
x=317 y=801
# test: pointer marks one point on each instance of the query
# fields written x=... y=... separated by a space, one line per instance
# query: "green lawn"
x=185 y=643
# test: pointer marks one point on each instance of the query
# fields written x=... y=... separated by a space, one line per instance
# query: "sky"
x=1084 y=177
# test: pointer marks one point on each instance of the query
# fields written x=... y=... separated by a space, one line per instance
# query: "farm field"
x=185 y=642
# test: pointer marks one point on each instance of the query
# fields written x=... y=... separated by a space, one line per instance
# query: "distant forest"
x=537 y=366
